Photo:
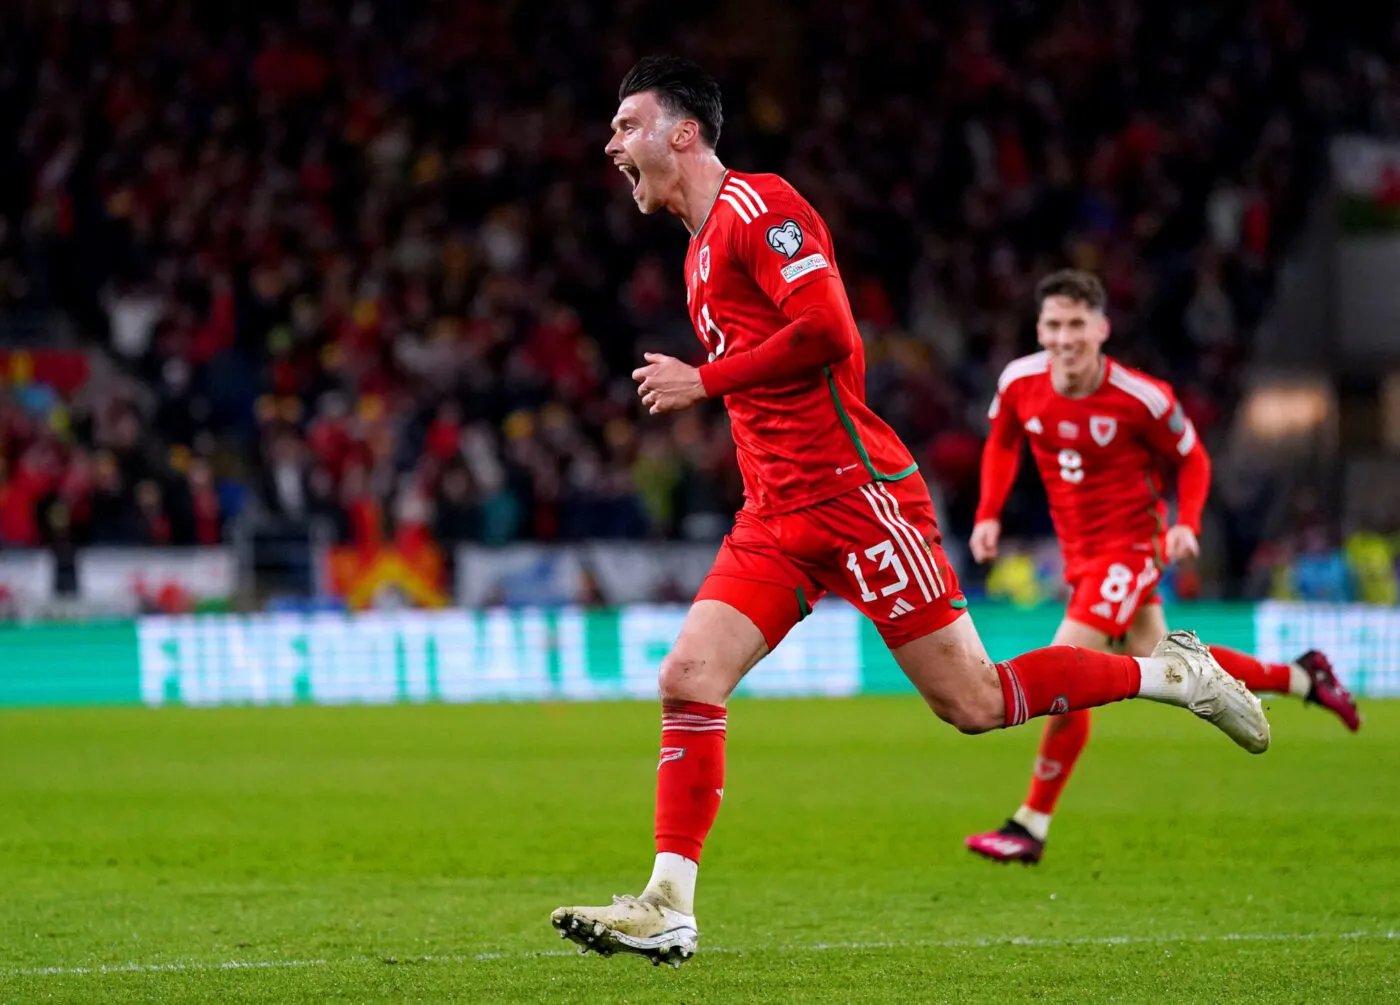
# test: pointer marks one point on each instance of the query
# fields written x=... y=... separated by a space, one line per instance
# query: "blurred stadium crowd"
x=365 y=262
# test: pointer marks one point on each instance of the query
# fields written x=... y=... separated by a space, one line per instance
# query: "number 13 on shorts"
x=883 y=552
x=877 y=548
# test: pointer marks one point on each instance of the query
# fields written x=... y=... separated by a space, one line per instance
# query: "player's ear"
x=685 y=132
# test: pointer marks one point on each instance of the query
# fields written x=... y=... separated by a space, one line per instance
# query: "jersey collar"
x=713 y=199
x=1104 y=370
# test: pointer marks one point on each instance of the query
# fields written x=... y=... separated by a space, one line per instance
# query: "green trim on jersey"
x=878 y=476
x=803 y=607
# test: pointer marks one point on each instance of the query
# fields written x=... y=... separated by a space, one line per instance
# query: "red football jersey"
x=1103 y=457
x=811 y=438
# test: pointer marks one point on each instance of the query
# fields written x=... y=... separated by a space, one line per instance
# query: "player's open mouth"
x=633 y=175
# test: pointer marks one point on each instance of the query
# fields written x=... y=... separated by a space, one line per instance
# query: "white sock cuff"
x=672 y=882
x=1161 y=681
x=1034 y=821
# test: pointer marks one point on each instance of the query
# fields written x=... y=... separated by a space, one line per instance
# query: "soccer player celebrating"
x=833 y=502
x=1103 y=436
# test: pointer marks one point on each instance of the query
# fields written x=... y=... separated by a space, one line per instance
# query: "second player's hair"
x=1072 y=284
x=682 y=87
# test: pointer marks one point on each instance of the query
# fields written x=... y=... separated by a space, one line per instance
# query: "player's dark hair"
x=682 y=88
x=1072 y=284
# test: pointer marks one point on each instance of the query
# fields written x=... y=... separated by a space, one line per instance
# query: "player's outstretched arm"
x=821 y=334
x=1174 y=438
x=1001 y=459
x=1192 y=486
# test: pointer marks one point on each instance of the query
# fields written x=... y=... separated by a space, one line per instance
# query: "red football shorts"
x=877 y=547
x=1109 y=590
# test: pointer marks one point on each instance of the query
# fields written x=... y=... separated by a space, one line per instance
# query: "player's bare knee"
x=682 y=677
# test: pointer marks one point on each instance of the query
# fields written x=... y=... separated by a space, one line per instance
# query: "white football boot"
x=1213 y=694
x=629 y=925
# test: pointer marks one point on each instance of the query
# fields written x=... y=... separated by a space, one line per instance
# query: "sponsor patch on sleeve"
x=802 y=266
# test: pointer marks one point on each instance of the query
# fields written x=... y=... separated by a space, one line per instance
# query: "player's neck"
x=696 y=191
x=1082 y=384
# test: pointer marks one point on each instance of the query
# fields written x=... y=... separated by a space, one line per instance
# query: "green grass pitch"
x=415 y=852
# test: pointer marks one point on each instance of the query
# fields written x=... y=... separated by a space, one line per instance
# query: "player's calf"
x=975 y=710
x=952 y=672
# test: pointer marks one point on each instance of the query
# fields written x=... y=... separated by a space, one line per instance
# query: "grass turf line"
x=429 y=836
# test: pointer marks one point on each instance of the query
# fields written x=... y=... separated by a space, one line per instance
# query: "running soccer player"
x=1103 y=436
x=833 y=502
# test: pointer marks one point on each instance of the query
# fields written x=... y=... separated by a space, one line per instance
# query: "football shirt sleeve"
x=1173 y=438
x=781 y=243
x=1001 y=456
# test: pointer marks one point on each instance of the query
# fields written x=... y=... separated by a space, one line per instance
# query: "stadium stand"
x=363 y=266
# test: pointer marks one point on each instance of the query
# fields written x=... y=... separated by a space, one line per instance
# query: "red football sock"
x=1252 y=673
x=690 y=776
x=1061 y=679
x=1065 y=736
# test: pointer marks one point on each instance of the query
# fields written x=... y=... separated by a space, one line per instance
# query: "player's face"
x=641 y=147
x=1073 y=333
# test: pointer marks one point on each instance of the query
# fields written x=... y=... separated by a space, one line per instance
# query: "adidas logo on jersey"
x=1034 y=426
x=1103 y=609
x=901 y=606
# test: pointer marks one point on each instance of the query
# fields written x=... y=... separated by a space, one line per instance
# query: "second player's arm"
x=1182 y=448
x=1001 y=460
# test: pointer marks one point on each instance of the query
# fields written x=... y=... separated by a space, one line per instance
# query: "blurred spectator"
x=206 y=508
x=152 y=522
x=113 y=516
x=457 y=517
x=284 y=480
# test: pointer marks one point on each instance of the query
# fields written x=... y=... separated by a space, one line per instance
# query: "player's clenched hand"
x=1182 y=544
x=668 y=385
x=986 y=535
